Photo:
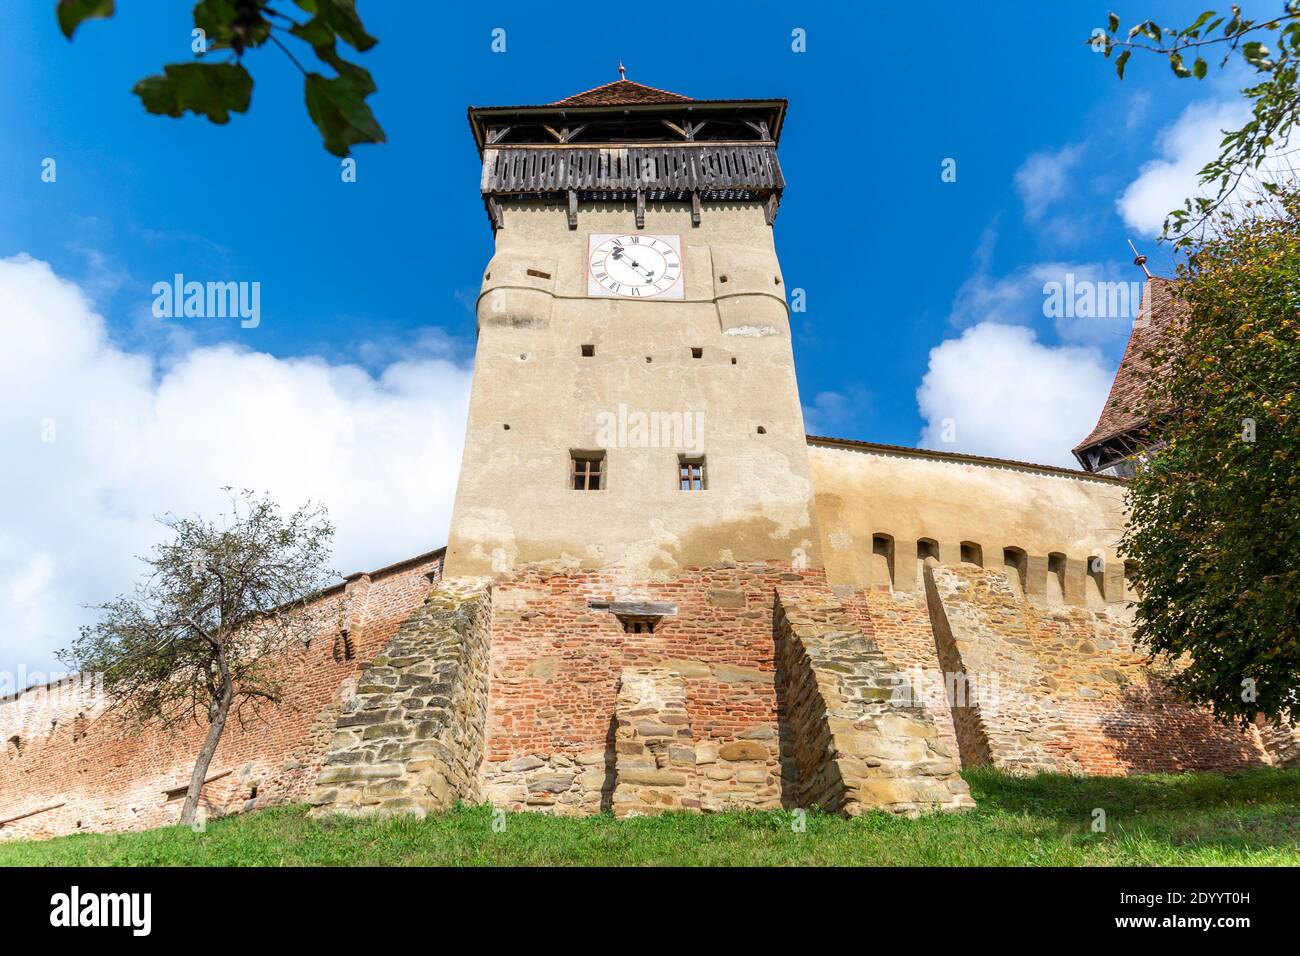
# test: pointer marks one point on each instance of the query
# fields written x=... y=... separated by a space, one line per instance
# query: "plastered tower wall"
x=536 y=399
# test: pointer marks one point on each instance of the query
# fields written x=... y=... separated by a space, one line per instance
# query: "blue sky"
x=924 y=297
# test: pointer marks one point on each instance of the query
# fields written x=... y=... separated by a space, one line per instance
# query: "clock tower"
x=634 y=405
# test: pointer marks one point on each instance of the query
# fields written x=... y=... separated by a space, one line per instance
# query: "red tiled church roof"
x=621 y=93
x=1125 y=407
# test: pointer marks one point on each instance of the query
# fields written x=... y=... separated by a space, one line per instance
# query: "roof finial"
x=622 y=71
x=1140 y=260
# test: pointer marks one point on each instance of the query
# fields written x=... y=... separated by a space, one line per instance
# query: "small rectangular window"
x=697 y=353
x=690 y=474
x=586 y=471
x=588 y=351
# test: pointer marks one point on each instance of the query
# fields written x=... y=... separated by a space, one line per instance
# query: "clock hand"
x=620 y=254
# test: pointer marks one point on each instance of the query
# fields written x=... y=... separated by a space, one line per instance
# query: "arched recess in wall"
x=1055 y=576
x=925 y=548
x=972 y=553
x=1015 y=564
x=1095 y=581
x=882 y=561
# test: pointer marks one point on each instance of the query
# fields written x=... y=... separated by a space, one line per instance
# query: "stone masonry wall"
x=1053 y=687
x=411 y=740
x=857 y=745
x=654 y=756
x=101 y=772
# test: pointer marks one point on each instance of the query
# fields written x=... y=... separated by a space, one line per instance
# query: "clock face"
x=635 y=267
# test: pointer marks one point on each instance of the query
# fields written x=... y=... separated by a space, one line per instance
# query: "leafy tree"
x=336 y=104
x=1276 y=96
x=1215 y=508
x=200 y=636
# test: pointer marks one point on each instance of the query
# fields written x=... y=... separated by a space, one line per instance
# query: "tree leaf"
x=71 y=13
x=1199 y=68
x=1120 y=61
x=342 y=18
x=208 y=89
x=338 y=108
x=1112 y=23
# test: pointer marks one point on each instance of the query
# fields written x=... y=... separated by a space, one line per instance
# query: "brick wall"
x=556 y=668
x=109 y=774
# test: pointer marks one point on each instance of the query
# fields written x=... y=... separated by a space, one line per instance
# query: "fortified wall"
x=995 y=585
x=69 y=765
x=758 y=684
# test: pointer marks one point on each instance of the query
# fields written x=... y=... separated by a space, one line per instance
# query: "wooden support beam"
x=31 y=813
x=497 y=134
x=760 y=128
x=640 y=208
x=677 y=129
x=175 y=793
x=573 y=209
x=770 y=205
x=693 y=128
x=695 y=207
x=495 y=213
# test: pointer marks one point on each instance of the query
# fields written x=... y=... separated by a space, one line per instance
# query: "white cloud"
x=1185 y=147
x=997 y=391
x=133 y=440
x=1044 y=179
x=836 y=413
x=1020 y=297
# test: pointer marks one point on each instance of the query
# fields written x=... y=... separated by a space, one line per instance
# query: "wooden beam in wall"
x=640 y=208
x=695 y=207
x=770 y=206
x=573 y=209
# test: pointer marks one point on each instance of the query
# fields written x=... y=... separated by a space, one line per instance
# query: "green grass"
x=1186 y=819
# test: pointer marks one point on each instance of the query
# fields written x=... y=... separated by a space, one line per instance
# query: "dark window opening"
x=972 y=553
x=697 y=353
x=882 y=560
x=588 y=351
x=538 y=274
x=586 y=471
x=633 y=626
x=762 y=430
x=927 y=548
x=690 y=474
x=1015 y=563
x=1056 y=576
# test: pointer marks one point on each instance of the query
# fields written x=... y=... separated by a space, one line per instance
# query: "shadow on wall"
x=1150 y=730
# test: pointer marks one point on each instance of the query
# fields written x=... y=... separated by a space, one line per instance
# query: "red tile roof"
x=621 y=93
x=1126 y=406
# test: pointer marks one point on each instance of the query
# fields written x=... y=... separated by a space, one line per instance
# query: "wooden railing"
x=694 y=167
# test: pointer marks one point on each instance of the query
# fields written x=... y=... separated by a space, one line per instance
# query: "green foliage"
x=219 y=601
x=1160 y=820
x=1276 y=97
x=209 y=89
x=1215 y=512
x=336 y=104
x=71 y=13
